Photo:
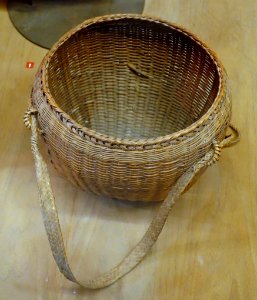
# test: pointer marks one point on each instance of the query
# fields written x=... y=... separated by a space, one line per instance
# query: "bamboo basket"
x=131 y=107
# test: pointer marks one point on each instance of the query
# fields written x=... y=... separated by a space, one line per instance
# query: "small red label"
x=30 y=64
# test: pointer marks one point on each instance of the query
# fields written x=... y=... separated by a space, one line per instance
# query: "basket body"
x=127 y=104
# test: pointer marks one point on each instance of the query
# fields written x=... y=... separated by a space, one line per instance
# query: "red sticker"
x=30 y=64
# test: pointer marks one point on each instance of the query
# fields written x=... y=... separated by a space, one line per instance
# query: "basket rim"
x=103 y=139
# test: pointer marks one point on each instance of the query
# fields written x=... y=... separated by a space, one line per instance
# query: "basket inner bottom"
x=132 y=122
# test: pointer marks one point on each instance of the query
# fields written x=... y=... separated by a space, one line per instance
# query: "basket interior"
x=132 y=78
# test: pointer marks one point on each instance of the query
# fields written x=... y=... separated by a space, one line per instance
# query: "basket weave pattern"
x=130 y=107
x=126 y=104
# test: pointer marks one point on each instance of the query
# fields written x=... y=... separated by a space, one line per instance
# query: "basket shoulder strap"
x=135 y=256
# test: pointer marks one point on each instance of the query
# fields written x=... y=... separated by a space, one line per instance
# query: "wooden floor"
x=208 y=248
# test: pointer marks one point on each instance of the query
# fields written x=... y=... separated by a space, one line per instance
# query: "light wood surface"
x=208 y=248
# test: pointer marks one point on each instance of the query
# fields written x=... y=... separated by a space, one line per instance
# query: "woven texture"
x=126 y=104
x=130 y=107
x=136 y=255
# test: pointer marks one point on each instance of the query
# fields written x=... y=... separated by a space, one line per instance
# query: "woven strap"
x=135 y=256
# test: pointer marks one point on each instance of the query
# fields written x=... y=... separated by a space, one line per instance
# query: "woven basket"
x=129 y=107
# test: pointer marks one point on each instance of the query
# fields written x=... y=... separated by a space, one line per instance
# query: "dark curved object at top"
x=43 y=22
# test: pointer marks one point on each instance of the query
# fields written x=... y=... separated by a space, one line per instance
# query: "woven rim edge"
x=132 y=142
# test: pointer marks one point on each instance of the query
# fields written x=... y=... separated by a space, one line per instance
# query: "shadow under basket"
x=130 y=107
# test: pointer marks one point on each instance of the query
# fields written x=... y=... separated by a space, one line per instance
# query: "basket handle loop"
x=135 y=256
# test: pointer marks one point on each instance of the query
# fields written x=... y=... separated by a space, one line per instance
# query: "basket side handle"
x=135 y=256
